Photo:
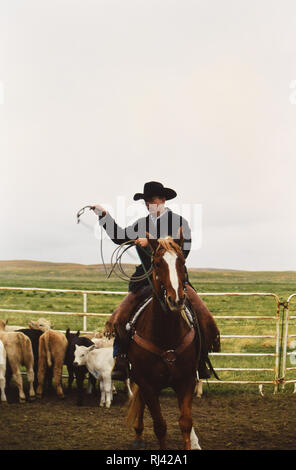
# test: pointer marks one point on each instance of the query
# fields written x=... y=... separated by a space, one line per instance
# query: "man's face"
x=155 y=204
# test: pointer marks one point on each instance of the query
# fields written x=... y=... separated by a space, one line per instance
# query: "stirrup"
x=121 y=373
x=203 y=372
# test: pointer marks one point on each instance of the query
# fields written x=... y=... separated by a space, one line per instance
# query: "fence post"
x=286 y=322
x=283 y=345
x=84 y=311
x=277 y=347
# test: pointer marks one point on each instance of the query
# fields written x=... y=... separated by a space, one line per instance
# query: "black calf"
x=79 y=371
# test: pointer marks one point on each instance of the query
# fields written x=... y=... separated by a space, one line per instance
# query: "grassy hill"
x=26 y=273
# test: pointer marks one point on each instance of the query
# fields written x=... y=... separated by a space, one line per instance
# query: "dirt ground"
x=239 y=421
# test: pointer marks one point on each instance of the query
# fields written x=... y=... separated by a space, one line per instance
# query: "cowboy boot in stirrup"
x=116 y=325
x=208 y=328
x=206 y=321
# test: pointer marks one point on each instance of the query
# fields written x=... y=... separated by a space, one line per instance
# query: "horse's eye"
x=157 y=265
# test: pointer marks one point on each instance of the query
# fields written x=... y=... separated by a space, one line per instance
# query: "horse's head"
x=169 y=269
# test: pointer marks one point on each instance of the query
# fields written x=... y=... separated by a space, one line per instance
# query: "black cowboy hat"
x=153 y=188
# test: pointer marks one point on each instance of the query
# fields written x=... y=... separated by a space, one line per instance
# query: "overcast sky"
x=99 y=97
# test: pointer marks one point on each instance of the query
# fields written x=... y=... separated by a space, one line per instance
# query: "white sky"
x=99 y=97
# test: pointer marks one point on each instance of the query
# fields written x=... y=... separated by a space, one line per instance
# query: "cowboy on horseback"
x=161 y=222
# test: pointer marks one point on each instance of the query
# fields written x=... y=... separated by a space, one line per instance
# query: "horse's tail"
x=134 y=406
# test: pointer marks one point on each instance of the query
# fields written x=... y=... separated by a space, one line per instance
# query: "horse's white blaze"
x=171 y=259
x=194 y=440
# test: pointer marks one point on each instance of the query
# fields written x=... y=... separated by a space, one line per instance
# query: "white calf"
x=2 y=371
x=103 y=342
x=99 y=362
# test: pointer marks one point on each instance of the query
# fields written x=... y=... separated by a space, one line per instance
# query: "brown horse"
x=164 y=349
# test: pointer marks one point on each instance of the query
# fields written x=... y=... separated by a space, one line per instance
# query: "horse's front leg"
x=135 y=416
x=185 y=396
x=151 y=398
x=139 y=423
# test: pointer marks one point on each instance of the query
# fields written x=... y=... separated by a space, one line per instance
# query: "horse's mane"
x=169 y=244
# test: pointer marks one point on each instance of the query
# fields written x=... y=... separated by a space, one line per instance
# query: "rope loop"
x=116 y=264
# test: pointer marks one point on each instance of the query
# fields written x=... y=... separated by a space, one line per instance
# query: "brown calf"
x=99 y=339
x=40 y=324
x=52 y=350
x=19 y=352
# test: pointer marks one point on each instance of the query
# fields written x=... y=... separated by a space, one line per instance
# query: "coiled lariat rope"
x=116 y=266
x=78 y=215
x=118 y=254
x=125 y=246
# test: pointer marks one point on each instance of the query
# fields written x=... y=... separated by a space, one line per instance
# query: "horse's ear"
x=78 y=333
x=68 y=333
x=153 y=242
x=180 y=237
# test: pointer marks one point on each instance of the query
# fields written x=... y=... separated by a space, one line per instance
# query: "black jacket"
x=167 y=224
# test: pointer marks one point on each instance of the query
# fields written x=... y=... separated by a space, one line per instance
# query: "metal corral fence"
x=281 y=329
x=287 y=319
x=276 y=336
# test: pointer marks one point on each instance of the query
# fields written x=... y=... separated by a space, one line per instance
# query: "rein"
x=163 y=304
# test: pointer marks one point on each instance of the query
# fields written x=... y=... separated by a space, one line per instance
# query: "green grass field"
x=92 y=277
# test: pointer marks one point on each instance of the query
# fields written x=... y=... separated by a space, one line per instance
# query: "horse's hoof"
x=33 y=398
x=139 y=444
x=22 y=400
x=38 y=396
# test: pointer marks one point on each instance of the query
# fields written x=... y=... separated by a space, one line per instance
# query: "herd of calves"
x=44 y=351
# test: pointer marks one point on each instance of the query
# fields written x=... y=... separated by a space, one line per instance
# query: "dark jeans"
x=116 y=347
x=135 y=286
